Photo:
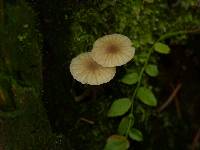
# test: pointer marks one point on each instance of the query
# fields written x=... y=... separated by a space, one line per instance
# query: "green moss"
x=142 y=22
x=24 y=124
x=21 y=44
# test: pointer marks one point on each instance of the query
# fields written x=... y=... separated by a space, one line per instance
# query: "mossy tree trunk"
x=23 y=120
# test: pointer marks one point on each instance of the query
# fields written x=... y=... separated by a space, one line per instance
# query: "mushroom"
x=85 y=70
x=112 y=50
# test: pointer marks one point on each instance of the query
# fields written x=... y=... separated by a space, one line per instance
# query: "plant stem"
x=163 y=37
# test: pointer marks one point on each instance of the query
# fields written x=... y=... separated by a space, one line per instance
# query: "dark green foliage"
x=142 y=21
x=20 y=47
x=29 y=129
x=20 y=43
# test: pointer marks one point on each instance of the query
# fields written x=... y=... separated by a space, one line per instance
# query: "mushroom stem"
x=81 y=97
x=91 y=91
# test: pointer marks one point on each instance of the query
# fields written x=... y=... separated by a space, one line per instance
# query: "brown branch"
x=178 y=109
x=87 y=120
x=171 y=97
x=196 y=140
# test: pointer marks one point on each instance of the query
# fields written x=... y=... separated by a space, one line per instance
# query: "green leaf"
x=119 y=107
x=130 y=78
x=126 y=122
x=152 y=70
x=161 y=48
x=136 y=135
x=117 y=142
x=146 y=96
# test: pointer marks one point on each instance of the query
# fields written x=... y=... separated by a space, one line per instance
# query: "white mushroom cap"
x=112 y=50
x=85 y=70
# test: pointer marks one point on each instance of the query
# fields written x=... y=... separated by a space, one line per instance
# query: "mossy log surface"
x=23 y=121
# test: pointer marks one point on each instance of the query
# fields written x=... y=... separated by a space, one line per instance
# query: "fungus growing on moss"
x=85 y=70
x=112 y=50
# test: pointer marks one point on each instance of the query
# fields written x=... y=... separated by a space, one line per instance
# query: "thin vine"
x=164 y=37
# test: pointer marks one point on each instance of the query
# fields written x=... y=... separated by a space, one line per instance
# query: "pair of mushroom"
x=99 y=65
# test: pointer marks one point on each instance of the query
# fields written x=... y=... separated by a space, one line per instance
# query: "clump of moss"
x=24 y=124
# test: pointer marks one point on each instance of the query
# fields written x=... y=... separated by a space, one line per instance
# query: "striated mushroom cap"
x=85 y=70
x=112 y=50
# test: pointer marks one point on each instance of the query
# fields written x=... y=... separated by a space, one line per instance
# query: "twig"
x=196 y=140
x=87 y=121
x=171 y=97
x=178 y=109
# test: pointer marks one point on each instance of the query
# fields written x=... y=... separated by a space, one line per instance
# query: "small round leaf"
x=152 y=70
x=126 y=122
x=136 y=135
x=119 y=107
x=161 y=48
x=146 y=96
x=130 y=78
x=117 y=142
